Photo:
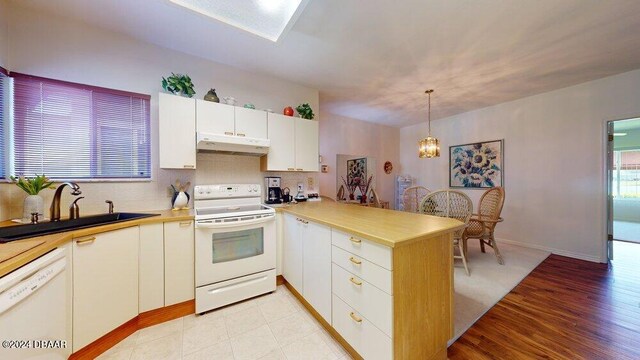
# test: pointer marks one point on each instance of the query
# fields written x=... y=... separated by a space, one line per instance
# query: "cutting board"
x=13 y=249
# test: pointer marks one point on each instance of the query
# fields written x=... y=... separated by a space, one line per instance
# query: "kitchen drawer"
x=376 y=253
x=371 y=302
x=376 y=275
x=366 y=339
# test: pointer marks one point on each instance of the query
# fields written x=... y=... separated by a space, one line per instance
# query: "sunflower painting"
x=476 y=165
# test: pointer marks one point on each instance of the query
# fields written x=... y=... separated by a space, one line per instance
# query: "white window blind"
x=73 y=131
x=4 y=106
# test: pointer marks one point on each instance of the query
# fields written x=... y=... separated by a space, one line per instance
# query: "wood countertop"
x=54 y=240
x=387 y=227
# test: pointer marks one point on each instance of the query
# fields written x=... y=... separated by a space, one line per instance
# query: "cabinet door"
x=316 y=261
x=292 y=253
x=306 y=145
x=105 y=283
x=177 y=127
x=281 y=132
x=151 y=267
x=251 y=123
x=214 y=118
x=179 y=281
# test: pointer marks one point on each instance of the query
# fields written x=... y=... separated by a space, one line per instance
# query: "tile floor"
x=273 y=326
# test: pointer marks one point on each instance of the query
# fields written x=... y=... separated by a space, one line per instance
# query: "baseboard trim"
x=280 y=280
x=143 y=320
x=323 y=322
x=560 y=252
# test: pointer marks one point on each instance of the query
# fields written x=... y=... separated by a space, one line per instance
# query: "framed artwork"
x=356 y=170
x=476 y=166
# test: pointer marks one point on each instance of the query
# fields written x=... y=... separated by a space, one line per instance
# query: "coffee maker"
x=273 y=195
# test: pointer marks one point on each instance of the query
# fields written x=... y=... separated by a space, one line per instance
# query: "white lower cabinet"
x=105 y=283
x=151 y=267
x=292 y=252
x=179 y=262
x=316 y=267
x=369 y=341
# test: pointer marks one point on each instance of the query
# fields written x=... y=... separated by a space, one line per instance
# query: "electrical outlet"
x=310 y=183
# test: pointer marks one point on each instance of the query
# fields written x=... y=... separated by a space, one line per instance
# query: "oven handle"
x=210 y=225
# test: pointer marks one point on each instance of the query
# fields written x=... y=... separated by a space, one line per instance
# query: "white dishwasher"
x=35 y=317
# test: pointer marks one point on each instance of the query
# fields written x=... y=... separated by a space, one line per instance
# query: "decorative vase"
x=32 y=204
x=363 y=199
x=288 y=111
x=212 y=96
x=352 y=197
x=181 y=200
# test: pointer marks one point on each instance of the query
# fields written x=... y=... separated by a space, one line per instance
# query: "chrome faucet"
x=54 y=210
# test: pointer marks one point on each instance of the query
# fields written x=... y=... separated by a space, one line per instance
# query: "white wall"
x=554 y=161
x=58 y=48
x=342 y=135
x=4 y=33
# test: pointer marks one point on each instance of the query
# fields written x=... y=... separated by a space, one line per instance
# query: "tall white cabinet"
x=179 y=262
x=177 y=127
x=294 y=144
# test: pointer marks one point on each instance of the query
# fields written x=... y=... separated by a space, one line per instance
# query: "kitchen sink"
x=17 y=232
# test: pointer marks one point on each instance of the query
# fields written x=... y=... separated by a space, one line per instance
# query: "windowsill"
x=57 y=181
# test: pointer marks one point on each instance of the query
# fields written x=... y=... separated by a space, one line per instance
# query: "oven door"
x=234 y=247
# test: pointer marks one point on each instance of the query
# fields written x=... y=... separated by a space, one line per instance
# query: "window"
x=626 y=174
x=73 y=131
x=4 y=105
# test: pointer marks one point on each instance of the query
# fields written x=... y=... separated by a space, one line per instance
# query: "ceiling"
x=372 y=60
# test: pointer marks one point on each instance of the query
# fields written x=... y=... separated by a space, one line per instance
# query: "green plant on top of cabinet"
x=177 y=127
x=223 y=119
x=294 y=144
x=105 y=283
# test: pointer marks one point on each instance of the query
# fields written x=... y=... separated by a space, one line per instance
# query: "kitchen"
x=259 y=260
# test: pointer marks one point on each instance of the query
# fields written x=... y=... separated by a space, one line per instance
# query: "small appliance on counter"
x=300 y=196
x=314 y=196
x=286 y=195
x=274 y=193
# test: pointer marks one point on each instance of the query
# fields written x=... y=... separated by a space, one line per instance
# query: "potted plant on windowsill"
x=178 y=84
x=33 y=203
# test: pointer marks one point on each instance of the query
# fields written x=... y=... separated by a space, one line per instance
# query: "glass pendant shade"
x=429 y=147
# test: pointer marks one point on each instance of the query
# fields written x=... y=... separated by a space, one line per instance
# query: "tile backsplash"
x=212 y=168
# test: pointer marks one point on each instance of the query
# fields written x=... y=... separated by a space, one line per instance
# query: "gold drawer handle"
x=354 y=240
x=86 y=241
x=299 y=169
x=356 y=282
x=228 y=133
x=185 y=223
x=355 y=261
x=239 y=134
x=188 y=166
x=355 y=318
x=290 y=169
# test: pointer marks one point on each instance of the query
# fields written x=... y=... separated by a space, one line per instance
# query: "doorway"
x=623 y=168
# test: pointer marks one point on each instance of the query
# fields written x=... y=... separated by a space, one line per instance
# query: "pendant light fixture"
x=429 y=147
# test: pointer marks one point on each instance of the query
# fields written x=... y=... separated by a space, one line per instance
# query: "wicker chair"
x=340 y=195
x=451 y=204
x=482 y=225
x=412 y=196
x=375 y=199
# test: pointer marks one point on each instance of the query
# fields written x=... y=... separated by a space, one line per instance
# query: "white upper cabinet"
x=251 y=123
x=215 y=118
x=177 y=138
x=294 y=144
x=282 y=152
x=306 y=143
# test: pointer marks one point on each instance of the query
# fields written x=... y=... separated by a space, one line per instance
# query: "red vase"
x=351 y=197
x=288 y=111
x=363 y=199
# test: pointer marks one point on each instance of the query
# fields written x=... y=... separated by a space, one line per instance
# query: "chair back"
x=448 y=203
x=412 y=196
x=491 y=203
x=340 y=195
x=375 y=200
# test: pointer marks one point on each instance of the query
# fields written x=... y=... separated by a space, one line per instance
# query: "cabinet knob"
x=188 y=166
x=354 y=240
x=355 y=261
x=86 y=241
x=355 y=318
x=240 y=134
x=298 y=169
x=290 y=169
x=228 y=133
x=185 y=223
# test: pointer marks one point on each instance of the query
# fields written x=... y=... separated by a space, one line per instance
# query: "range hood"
x=232 y=144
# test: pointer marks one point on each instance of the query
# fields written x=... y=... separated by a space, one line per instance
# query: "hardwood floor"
x=565 y=309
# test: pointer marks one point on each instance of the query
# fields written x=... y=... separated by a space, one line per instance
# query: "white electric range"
x=235 y=252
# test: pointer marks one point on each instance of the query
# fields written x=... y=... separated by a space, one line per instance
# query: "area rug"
x=489 y=281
